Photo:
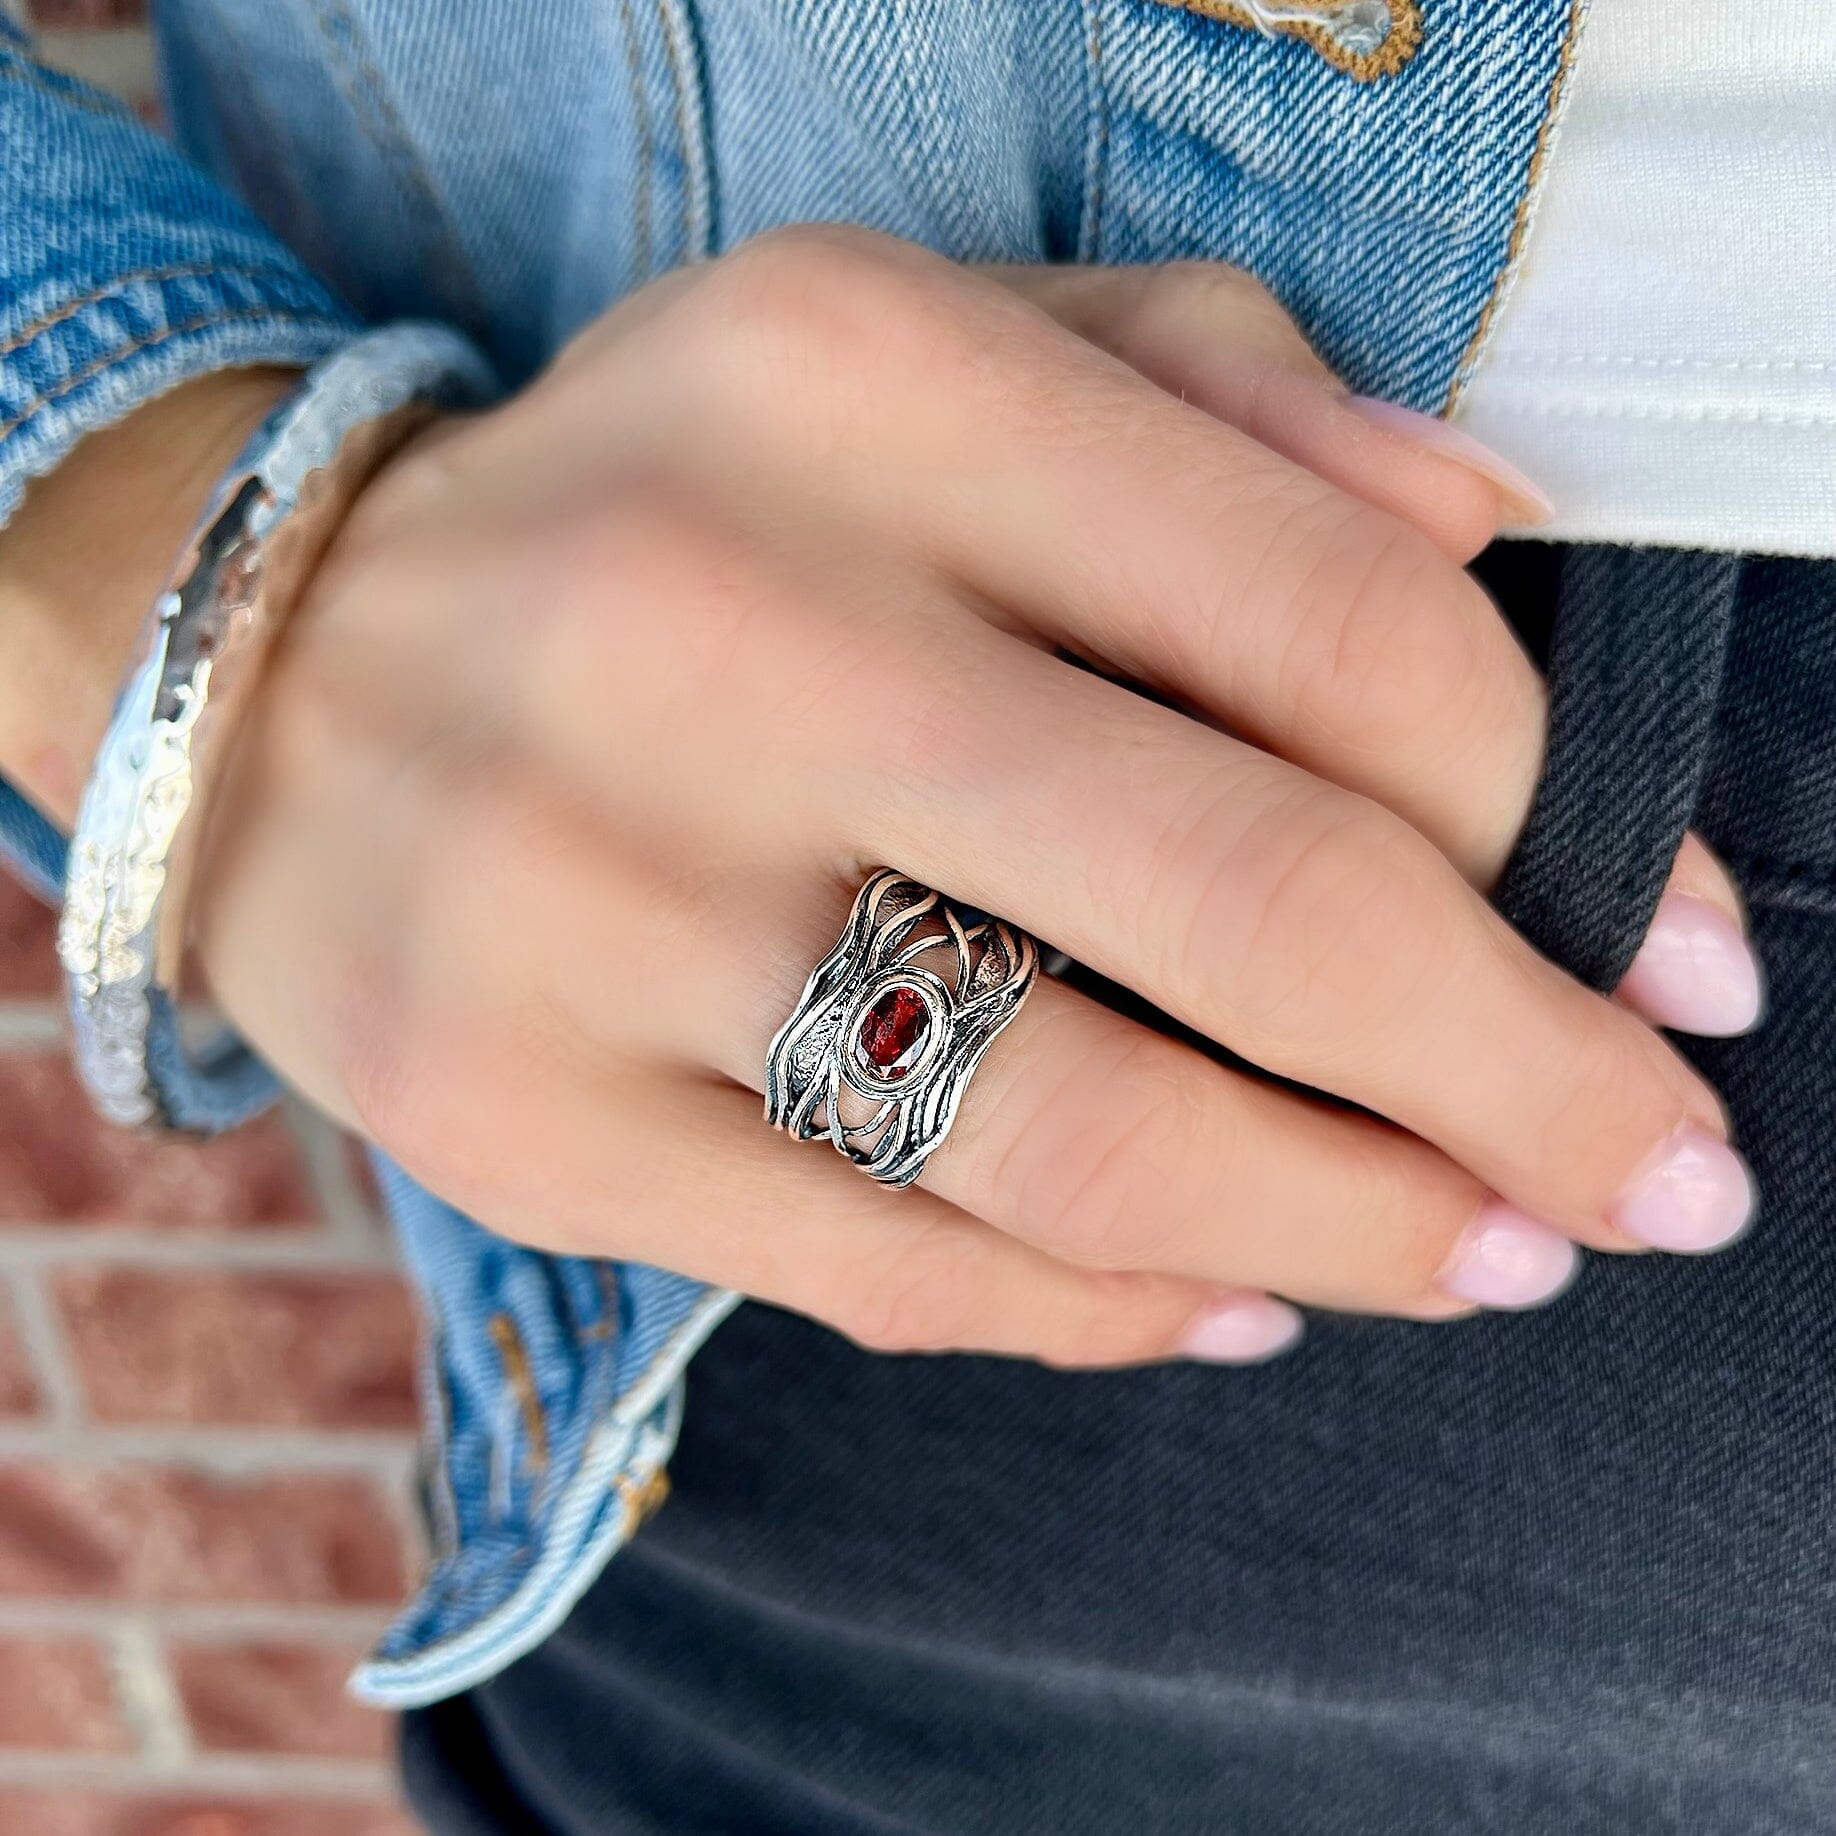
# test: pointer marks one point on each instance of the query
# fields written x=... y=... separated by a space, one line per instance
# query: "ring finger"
x=1110 y=1146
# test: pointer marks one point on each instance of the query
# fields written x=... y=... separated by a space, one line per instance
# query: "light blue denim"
x=511 y=166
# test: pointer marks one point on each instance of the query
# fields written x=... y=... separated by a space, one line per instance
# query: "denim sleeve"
x=123 y=270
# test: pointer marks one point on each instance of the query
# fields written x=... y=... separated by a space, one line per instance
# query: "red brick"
x=28 y=960
x=170 y=1534
x=58 y=1694
x=289 y=1350
x=85 y=1813
x=271 y=1697
x=61 y=1163
x=76 y=15
x=18 y=1389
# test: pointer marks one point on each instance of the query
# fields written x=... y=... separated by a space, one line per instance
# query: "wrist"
x=85 y=556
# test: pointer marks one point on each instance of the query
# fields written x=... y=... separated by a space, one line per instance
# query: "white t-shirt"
x=1664 y=362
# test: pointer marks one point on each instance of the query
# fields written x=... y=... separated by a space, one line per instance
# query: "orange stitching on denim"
x=606 y=1326
x=643 y=1502
x=1520 y=223
x=1400 y=43
x=178 y=271
x=642 y=203
x=521 y=1378
x=151 y=341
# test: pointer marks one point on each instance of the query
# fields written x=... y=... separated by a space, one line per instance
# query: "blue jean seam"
x=28 y=335
x=152 y=341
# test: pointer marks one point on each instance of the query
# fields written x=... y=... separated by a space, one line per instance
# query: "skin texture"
x=603 y=703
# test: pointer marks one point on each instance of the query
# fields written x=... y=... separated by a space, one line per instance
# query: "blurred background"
x=206 y=1415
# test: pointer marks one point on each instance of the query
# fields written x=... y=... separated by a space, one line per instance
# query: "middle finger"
x=1308 y=928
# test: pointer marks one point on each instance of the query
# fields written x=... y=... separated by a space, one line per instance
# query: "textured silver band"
x=889 y=1029
x=121 y=938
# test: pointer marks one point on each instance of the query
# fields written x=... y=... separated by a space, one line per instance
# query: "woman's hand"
x=604 y=703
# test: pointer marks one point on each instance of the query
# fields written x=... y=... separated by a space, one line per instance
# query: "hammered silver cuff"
x=122 y=935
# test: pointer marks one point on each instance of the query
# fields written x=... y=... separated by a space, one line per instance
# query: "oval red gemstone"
x=892 y=1033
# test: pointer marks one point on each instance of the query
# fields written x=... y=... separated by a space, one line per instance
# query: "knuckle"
x=1463 y=513
x=1273 y=519
x=950 y=738
x=1413 y=1204
x=921 y=1296
x=1119 y=1318
x=1606 y=1105
x=1232 y=290
x=1236 y=307
x=1321 y=928
x=1386 y=644
x=814 y=250
x=818 y=307
x=1096 y=1174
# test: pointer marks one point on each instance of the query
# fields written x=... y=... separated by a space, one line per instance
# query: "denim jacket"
x=511 y=166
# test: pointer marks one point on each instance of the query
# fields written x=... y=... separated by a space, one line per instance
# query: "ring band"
x=891 y=1025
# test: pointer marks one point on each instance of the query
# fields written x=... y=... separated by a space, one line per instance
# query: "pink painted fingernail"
x=1241 y=1329
x=1506 y=1258
x=1695 y=971
x=1526 y=504
x=1693 y=1194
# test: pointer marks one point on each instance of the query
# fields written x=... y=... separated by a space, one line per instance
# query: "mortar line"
x=150 y=1698
x=243 y=1248
x=212 y=1621
x=30 y=1026
x=257 y=1775
x=42 y=1334
x=385 y=1456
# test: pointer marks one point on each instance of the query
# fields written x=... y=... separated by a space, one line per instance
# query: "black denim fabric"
x=1572 y=1571
x=1635 y=675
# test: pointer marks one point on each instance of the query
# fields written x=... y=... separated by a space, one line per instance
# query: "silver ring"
x=889 y=1029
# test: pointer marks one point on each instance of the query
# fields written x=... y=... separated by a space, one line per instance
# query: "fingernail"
x=1525 y=503
x=1693 y=1194
x=1506 y=1258
x=1695 y=971
x=1241 y=1329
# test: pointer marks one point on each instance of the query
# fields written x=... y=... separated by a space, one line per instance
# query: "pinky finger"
x=687 y=1175
x=789 y=1222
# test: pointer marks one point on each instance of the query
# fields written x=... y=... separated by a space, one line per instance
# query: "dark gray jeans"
x=1565 y=1572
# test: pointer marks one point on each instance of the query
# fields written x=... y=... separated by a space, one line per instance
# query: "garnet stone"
x=892 y=1035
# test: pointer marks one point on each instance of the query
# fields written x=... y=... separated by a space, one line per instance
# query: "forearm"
x=83 y=557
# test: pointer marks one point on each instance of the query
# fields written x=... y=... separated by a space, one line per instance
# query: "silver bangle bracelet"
x=122 y=935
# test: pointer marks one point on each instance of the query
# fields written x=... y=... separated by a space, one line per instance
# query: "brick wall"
x=205 y=1460
x=206 y=1418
